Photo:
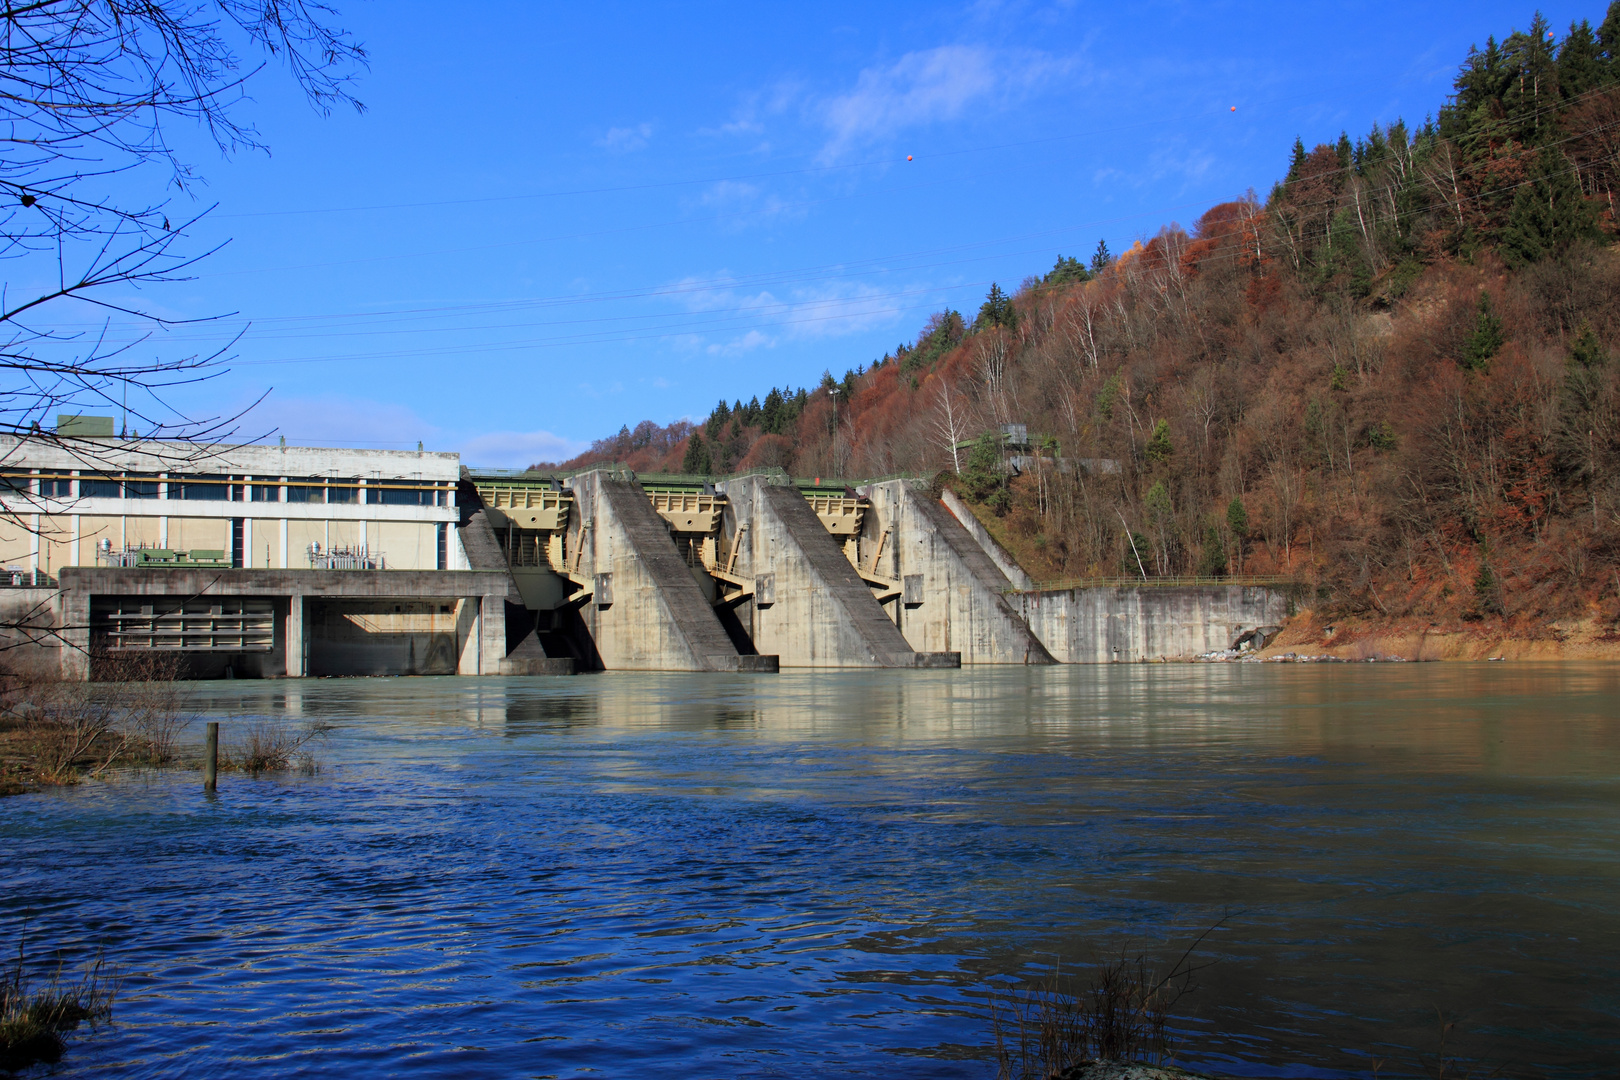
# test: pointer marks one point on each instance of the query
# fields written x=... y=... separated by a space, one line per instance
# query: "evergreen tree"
x=771 y=418
x=1296 y=163
x=997 y=310
x=1070 y=271
x=1159 y=449
x=1485 y=589
x=1237 y=517
x=1580 y=66
x=1582 y=442
x=1531 y=83
x=982 y=473
x=1608 y=38
x=717 y=419
x=1549 y=213
x=1237 y=520
x=1346 y=154
x=697 y=461
x=1101 y=259
x=1486 y=340
x=1212 y=560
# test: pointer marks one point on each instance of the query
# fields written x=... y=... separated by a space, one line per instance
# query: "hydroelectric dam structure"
x=273 y=562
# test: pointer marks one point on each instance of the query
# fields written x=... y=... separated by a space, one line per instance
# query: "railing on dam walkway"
x=1065 y=584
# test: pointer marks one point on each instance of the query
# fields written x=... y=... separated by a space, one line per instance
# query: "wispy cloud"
x=740 y=203
x=829 y=311
x=929 y=87
x=622 y=140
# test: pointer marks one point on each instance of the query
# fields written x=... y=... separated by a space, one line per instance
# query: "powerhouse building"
x=88 y=502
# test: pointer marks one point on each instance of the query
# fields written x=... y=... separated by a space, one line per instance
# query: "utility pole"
x=833 y=392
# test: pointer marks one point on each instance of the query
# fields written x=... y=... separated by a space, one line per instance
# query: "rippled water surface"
x=821 y=874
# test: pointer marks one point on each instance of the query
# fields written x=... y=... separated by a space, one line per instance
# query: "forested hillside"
x=1395 y=377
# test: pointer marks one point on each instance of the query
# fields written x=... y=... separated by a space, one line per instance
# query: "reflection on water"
x=819 y=873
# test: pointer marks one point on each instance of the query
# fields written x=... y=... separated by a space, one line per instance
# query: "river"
x=821 y=874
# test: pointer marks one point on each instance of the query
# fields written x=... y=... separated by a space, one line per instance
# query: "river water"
x=821 y=874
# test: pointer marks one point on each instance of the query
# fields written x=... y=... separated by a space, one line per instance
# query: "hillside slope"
x=1395 y=378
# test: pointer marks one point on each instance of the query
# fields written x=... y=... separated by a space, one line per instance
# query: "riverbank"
x=1309 y=633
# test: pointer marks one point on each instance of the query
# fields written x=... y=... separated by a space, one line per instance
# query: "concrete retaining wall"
x=1105 y=625
x=34 y=649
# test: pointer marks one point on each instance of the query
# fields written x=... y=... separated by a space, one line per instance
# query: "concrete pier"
x=810 y=606
x=646 y=610
x=522 y=650
x=953 y=594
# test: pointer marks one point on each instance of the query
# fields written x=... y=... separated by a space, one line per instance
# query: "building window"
x=200 y=486
x=16 y=484
x=56 y=487
x=306 y=489
x=343 y=491
x=100 y=487
x=444 y=546
x=141 y=485
x=400 y=495
x=267 y=493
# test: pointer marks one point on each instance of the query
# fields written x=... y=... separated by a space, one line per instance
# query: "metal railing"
x=347 y=559
x=26 y=579
x=1065 y=584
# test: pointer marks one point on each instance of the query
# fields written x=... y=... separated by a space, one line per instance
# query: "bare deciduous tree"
x=89 y=93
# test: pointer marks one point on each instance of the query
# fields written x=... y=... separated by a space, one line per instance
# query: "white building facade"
x=116 y=502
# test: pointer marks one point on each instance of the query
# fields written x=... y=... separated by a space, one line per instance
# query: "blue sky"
x=555 y=219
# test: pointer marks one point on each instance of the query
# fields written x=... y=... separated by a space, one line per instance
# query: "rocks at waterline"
x=1126 y=1070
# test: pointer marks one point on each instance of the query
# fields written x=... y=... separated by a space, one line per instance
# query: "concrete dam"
x=759 y=573
x=521 y=573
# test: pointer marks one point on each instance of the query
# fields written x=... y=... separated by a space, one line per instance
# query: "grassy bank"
x=35 y=1019
x=55 y=733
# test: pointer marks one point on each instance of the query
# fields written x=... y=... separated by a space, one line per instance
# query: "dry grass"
x=32 y=1022
x=1121 y=1014
x=58 y=733
x=265 y=747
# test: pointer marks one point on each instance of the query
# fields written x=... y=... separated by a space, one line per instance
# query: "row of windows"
x=222 y=488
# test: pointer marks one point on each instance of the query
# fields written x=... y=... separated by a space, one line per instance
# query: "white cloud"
x=931 y=86
x=737 y=346
x=740 y=203
x=515 y=449
x=829 y=311
x=622 y=140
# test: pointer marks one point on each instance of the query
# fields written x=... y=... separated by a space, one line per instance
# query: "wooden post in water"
x=211 y=756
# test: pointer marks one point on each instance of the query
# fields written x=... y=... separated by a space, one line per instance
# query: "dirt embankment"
x=1355 y=638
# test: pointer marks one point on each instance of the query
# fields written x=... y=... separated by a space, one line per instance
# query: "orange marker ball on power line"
x=1234 y=108
x=908 y=157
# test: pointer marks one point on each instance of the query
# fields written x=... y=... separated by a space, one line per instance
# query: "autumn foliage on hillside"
x=1396 y=378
